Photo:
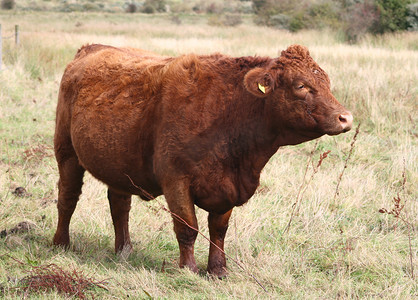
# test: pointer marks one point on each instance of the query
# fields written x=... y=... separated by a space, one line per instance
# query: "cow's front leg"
x=218 y=225
x=185 y=222
x=120 y=205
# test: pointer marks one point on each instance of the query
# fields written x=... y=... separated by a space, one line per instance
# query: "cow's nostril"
x=343 y=119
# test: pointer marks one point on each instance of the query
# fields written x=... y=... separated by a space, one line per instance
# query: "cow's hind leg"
x=69 y=190
x=185 y=223
x=218 y=225
x=120 y=205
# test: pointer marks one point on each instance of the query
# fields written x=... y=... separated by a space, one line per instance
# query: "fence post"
x=0 y=49
x=17 y=34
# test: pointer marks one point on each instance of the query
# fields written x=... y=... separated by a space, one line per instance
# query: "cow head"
x=298 y=96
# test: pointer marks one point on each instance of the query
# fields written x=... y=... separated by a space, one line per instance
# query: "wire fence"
x=14 y=35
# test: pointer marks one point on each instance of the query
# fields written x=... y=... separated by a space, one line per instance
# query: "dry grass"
x=336 y=248
x=49 y=278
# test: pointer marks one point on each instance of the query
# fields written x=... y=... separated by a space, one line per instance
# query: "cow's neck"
x=251 y=145
x=253 y=141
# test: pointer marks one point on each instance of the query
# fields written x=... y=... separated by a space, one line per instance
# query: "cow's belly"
x=111 y=150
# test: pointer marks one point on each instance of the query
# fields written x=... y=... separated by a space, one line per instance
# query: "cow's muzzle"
x=346 y=121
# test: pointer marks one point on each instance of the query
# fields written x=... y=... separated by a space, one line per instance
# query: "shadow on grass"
x=152 y=255
x=35 y=246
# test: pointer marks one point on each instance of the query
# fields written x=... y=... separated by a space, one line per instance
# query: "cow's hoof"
x=61 y=241
x=219 y=273
x=191 y=267
x=125 y=251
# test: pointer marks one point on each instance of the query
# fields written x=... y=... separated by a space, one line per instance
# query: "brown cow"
x=198 y=129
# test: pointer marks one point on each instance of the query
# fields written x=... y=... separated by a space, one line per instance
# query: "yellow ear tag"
x=262 y=88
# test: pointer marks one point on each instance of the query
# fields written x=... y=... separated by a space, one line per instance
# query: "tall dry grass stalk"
x=304 y=185
x=350 y=152
x=397 y=212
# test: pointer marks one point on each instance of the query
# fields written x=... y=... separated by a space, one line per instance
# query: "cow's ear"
x=259 y=82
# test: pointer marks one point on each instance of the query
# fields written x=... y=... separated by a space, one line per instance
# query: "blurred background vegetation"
x=352 y=18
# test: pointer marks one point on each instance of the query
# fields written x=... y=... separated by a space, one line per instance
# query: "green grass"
x=343 y=249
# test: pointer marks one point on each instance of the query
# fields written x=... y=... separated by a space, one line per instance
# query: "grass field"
x=337 y=247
